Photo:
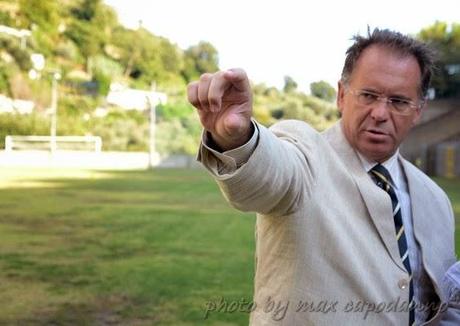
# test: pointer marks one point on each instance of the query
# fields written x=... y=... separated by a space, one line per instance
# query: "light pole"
x=152 y=121
x=54 y=100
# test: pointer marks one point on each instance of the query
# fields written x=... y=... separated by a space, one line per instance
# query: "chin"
x=376 y=152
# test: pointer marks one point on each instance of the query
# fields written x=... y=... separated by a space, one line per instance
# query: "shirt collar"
x=391 y=165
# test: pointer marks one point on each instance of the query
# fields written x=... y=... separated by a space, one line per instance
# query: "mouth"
x=377 y=132
x=377 y=135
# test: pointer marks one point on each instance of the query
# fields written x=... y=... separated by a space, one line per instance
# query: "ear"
x=340 y=96
x=418 y=113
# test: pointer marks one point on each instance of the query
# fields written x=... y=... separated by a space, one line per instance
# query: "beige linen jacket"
x=326 y=252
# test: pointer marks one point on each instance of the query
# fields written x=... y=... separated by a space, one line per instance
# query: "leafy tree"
x=103 y=83
x=85 y=36
x=90 y=27
x=14 y=124
x=5 y=73
x=323 y=90
x=42 y=17
x=20 y=56
x=178 y=110
x=146 y=57
x=122 y=130
x=41 y=13
x=104 y=71
x=178 y=136
x=106 y=66
x=6 y=17
x=199 y=59
x=290 y=84
x=446 y=40
x=86 y=9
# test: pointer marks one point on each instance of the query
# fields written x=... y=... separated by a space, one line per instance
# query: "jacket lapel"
x=378 y=202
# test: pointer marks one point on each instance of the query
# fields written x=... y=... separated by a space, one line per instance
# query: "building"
x=434 y=144
x=134 y=99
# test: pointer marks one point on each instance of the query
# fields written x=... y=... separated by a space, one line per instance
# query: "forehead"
x=387 y=70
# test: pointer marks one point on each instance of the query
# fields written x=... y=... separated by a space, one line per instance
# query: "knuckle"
x=191 y=95
x=220 y=74
x=194 y=102
x=205 y=77
x=214 y=101
x=191 y=86
x=203 y=95
x=203 y=102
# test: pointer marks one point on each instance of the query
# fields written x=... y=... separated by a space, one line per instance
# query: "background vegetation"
x=85 y=41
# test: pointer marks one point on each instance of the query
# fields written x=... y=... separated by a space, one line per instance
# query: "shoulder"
x=294 y=130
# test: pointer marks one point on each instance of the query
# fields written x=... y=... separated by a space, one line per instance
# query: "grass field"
x=124 y=248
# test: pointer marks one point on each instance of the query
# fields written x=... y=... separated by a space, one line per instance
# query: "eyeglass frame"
x=389 y=100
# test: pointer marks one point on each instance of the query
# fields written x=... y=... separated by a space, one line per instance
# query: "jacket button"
x=403 y=284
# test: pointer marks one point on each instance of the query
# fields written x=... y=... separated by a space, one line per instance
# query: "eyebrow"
x=398 y=96
x=401 y=97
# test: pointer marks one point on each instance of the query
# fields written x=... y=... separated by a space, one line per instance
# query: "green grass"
x=137 y=248
x=124 y=248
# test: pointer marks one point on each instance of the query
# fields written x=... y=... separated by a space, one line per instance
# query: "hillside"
x=85 y=43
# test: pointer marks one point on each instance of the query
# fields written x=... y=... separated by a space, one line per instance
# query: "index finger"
x=238 y=78
x=218 y=86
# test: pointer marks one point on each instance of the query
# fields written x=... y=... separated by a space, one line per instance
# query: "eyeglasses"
x=395 y=104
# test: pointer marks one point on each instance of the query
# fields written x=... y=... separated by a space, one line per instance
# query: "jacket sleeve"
x=277 y=175
x=227 y=162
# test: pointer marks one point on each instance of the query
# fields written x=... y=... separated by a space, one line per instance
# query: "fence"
x=51 y=143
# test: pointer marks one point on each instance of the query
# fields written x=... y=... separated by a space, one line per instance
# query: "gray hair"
x=405 y=45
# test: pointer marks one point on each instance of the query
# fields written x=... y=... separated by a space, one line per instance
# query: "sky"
x=270 y=39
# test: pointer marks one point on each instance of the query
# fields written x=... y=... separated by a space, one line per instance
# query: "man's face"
x=374 y=130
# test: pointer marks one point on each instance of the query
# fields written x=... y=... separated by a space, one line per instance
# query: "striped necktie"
x=382 y=178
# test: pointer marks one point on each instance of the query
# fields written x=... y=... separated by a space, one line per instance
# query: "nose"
x=379 y=110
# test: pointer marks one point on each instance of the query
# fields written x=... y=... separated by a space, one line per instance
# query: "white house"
x=134 y=99
x=8 y=105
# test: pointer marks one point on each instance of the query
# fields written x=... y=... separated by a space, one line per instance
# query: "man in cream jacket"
x=348 y=232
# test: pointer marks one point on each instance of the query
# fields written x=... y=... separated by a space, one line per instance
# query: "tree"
x=42 y=17
x=446 y=40
x=42 y=13
x=289 y=84
x=91 y=26
x=147 y=57
x=199 y=59
x=323 y=90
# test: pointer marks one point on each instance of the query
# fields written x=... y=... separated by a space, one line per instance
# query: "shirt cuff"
x=452 y=283
x=229 y=161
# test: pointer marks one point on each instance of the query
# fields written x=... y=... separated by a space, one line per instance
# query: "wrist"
x=223 y=144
